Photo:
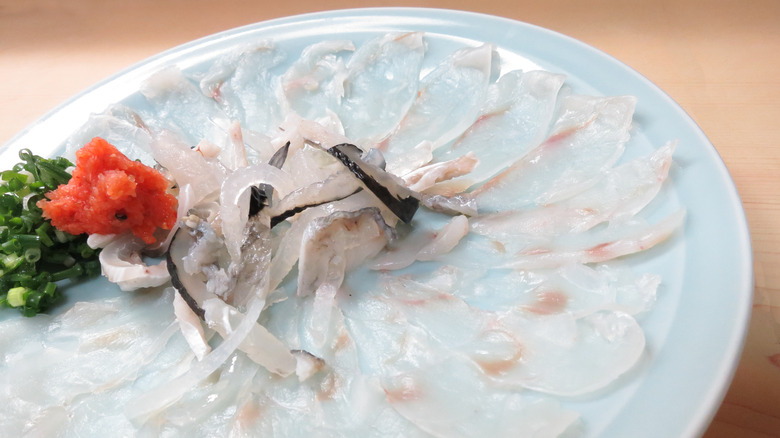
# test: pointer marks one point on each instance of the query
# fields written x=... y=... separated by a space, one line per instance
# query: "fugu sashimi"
x=118 y=125
x=427 y=388
x=607 y=244
x=177 y=104
x=619 y=195
x=428 y=176
x=518 y=115
x=381 y=84
x=519 y=346
x=431 y=363
x=571 y=357
x=448 y=101
x=315 y=81
x=588 y=138
x=91 y=348
x=247 y=87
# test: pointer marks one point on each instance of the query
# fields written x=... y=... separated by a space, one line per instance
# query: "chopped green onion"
x=34 y=254
x=12 y=261
x=41 y=231
x=11 y=246
x=28 y=241
x=74 y=271
x=17 y=296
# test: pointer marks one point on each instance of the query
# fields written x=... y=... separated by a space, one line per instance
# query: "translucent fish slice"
x=588 y=138
x=447 y=103
x=518 y=115
x=246 y=85
x=315 y=82
x=380 y=86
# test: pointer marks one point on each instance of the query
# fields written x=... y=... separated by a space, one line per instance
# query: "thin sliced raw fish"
x=118 y=125
x=425 y=364
x=619 y=195
x=448 y=102
x=587 y=139
x=246 y=86
x=600 y=246
x=427 y=176
x=422 y=244
x=381 y=85
x=177 y=104
x=570 y=356
x=518 y=115
x=315 y=82
x=188 y=167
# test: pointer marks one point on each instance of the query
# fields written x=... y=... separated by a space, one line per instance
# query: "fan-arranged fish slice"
x=314 y=83
x=246 y=86
x=588 y=138
x=381 y=84
x=176 y=104
x=622 y=192
x=448 y=101
x=517 y=117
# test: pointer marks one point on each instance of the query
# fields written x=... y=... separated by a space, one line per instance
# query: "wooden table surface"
x=720 y=60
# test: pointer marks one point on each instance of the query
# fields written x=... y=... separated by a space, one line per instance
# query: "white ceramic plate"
x=695 y=331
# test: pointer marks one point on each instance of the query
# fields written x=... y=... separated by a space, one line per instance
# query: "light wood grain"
x=718 y=59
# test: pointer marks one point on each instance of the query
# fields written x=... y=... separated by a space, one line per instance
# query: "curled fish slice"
x=337 y=242
x=188 y=167
x=422 y=245
x=427 y=176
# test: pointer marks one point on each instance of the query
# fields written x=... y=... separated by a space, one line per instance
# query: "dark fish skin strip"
x=276 y=220
x=258 y=198
x=173 y=271
x=261 y=194
x=280 y=156
x=403 y=207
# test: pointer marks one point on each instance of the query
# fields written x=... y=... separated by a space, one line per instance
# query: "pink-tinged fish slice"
x=426 y=177
x=447 y=103
x=619 y=195
x=315 y=82
x=518 y=116
x=598 y=247
x=422 y=245
x=435 y=362
x=570 y=357
x=587 y=139
x=381 y=83
x=119 y=125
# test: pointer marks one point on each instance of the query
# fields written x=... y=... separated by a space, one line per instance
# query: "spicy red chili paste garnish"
x=109 y=194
